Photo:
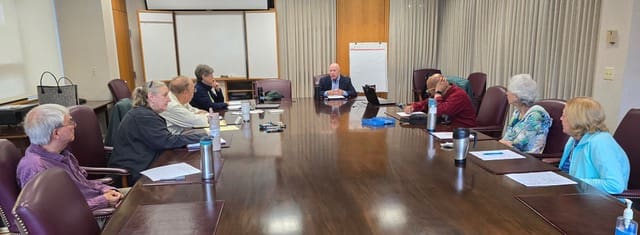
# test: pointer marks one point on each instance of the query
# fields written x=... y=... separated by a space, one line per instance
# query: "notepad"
x=540 y=179
x=497 y=155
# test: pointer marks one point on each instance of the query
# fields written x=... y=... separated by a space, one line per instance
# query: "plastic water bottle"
x=245 y=108
x=431 y=116
x=206 y=158
x=260 y=95
x=214 y=130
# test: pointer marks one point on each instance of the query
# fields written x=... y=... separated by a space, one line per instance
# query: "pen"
x=492 y=153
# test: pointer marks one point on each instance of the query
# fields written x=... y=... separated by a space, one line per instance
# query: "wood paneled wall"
x=359 y=21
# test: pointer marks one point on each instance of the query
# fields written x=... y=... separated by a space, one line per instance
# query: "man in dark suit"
x=336 y=84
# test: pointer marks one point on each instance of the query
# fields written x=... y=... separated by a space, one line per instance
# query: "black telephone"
x=418 y=118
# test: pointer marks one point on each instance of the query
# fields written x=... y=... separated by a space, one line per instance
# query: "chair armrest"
x=629 y=193
x=106 y=180
x=493 y=131
x=552 y=160
x=105 y=171
x=105 y=212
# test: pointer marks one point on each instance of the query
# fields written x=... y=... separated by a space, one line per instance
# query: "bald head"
x=334 y=71
x=182 y=87
x=433 y=81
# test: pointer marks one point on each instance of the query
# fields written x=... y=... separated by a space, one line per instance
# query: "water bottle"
x=431 y=116
x=260 y=95
x=206 y=158
x=214 y=130
x=245 y=108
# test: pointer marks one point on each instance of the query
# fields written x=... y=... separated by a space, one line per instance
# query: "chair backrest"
x=119 y=90
x=9 y=188
x=419 y=77
x=316 y=85
x=87 y=146
x=51 y=203
x=280 y=85
x=478 y=82
x=118 y=111
x=556 y=138
x=627 y=135
x=493 y=110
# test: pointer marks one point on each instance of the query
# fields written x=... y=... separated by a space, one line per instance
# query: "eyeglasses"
x=71 y=122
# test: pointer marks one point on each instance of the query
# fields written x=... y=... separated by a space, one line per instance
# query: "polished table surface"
x=326 y=174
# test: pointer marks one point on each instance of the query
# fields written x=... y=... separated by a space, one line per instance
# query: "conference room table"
x=327 y=174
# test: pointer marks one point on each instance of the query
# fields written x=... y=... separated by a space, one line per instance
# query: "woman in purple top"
x=50 y=129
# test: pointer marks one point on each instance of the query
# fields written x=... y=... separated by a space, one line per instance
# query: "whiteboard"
x=158 y=45
x=205 y=4
x=262 y=43
x=368 y=64
x=213 y=38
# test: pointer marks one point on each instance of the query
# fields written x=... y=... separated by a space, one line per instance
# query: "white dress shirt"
x=181 y=117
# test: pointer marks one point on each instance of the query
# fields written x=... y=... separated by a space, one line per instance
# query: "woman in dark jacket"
x=143 y=134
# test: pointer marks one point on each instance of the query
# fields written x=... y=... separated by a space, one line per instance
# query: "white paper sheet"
x=170 y=171
x=447 y=135
x=335 y=97
x=540 y=179
x=234 y=107
x=502 y=154
x=403 y=114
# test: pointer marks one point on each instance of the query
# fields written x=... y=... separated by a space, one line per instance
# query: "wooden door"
x=123 y=45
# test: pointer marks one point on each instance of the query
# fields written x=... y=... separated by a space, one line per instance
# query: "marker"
x=492 y=153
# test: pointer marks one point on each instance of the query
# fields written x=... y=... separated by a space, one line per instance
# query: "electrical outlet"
x=609 y=73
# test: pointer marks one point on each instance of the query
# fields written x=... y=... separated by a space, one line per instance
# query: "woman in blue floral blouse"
x=529 y=124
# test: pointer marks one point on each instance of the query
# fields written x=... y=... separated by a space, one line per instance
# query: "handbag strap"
x=65 y=78
x=54 y=79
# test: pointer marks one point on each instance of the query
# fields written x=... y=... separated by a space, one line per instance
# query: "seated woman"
x=529 y=124
x=143 y=134
x=591 y=154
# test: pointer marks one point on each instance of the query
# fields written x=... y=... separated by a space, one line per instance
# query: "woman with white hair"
x=529 y=124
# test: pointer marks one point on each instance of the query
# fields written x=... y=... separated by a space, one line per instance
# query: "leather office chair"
x=493 y=112
x=52 y=204
x=119 y=90
x=316 y=85
x=9 y=188
x=280 y=85
x=627 y=135
x=556 y=138
x=118 y=111
x=478 y=82
x=419 y=82
x=88 y=147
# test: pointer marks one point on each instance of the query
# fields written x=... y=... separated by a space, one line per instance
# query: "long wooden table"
x=326 y=174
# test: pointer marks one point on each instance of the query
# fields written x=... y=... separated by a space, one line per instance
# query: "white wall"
x=87 y=41
x=621 y=93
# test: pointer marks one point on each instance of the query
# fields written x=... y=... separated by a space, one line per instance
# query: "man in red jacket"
x=452 y=101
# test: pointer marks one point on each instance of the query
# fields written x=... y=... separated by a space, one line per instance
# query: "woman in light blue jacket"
x=591 y=154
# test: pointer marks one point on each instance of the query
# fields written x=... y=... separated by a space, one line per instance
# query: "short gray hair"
x=525 y=88
x=42 y=120
x=203 y=70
